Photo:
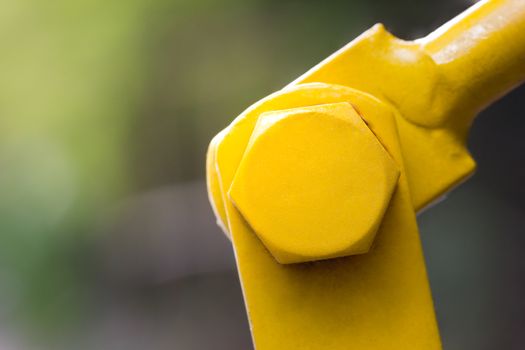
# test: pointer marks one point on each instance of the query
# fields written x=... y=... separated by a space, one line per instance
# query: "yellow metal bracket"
x=318 y=184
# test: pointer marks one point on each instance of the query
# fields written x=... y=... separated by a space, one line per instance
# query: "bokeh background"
x=107 y=240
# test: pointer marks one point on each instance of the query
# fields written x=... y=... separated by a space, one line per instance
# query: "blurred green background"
x=106 y=108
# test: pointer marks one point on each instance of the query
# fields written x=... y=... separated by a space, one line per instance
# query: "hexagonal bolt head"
x=314 y=183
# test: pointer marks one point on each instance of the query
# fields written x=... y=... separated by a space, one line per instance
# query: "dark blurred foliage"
x=106 y=108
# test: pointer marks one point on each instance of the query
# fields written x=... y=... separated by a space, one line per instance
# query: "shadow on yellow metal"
x=310 y=174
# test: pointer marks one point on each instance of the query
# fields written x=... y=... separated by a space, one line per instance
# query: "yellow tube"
x=481 y=52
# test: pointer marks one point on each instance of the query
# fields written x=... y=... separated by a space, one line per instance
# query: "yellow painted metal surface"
x=316 y=164
x=307 y=178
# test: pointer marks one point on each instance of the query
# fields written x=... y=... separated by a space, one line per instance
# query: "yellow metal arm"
x=481 y=52
x=318 y=184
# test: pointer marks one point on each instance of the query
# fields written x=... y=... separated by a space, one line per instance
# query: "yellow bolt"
x=290 y=183
x=314 y=183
